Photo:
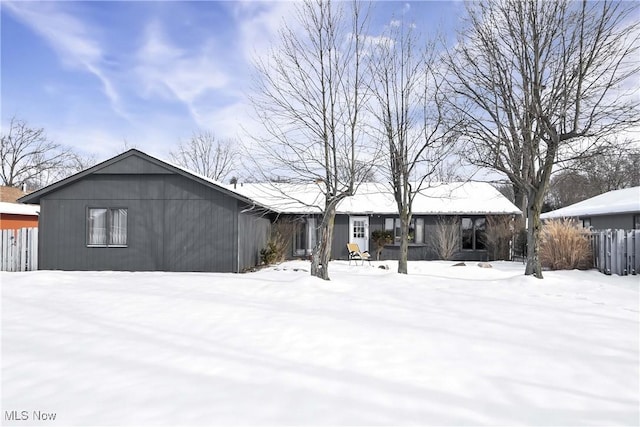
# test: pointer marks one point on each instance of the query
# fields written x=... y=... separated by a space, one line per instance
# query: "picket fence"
x=616 y=251
x=19 y=250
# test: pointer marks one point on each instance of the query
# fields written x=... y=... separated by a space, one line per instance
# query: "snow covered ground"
x=444 y=345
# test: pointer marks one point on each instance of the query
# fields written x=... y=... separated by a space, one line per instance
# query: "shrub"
x=281 y=234
x=381 y=238
x=498 y=236
x=565 y=245
x=270 y=254
x=446 y=238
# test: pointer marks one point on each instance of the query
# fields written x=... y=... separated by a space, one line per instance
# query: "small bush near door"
x=565 y=245
x=380 y=239
x=280 y=242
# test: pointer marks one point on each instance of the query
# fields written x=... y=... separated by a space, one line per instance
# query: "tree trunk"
x=534 y=267
x=404 y=242
x=520 y=198
x=322 y=252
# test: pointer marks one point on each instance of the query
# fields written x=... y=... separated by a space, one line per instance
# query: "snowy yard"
x=445 y=345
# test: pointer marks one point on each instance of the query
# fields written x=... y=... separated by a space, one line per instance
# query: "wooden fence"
x=19 y=250
x=616 y=251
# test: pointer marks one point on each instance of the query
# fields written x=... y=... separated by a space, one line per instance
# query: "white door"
x=359 y=231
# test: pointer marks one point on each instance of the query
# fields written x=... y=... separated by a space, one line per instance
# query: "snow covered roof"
x=437 y=199
x=612 y=202
x=19 y=209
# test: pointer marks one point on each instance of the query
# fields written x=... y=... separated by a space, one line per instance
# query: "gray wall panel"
x=199 y=236
x=63 y=239
x=133 y=165
x=253 y=234
x=174 y=224
x=618 y=221
x=340 y=237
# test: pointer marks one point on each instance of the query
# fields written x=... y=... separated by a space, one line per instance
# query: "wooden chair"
x=355 y=254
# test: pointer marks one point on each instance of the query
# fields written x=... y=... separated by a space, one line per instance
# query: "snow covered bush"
x=565 y=245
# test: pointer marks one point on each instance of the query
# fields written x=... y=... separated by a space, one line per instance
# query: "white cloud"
x=259 y=23
x=166 y=70
x=70 y=38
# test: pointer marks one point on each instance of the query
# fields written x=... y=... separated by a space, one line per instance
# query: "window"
x=305 y=237
x=416 y=229
x=474 y=234
x=358 y=229
x=107 y=227
x=636 y=222
x=586 y=222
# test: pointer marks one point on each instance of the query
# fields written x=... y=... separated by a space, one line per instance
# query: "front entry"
x=359 y=231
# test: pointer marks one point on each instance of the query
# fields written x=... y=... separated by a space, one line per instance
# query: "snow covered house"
x=465 y=205
x=14 y=216
x=135 y=212
x=618 y=209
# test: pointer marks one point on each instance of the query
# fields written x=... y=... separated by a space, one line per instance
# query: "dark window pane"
x=300 y=238
x=480 y=233
x=467 y=233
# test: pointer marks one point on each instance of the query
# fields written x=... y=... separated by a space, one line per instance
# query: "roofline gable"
x=34 y=198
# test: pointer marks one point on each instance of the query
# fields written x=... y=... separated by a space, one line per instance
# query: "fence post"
x=19 y=249
x=616 y=251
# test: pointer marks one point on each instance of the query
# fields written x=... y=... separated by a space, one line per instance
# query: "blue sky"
x=94 y=74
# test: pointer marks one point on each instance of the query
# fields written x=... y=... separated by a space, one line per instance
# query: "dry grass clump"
x=565 y=245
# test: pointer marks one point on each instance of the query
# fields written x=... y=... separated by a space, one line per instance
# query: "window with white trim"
x=107 y=227
x=416 y=229
x=305 y=237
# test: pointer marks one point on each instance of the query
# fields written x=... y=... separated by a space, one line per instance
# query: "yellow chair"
x=356 y=254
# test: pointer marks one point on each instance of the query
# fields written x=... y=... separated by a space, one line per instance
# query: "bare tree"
x=410 y=112
x=27 y=156
x=541 y=83
x=310 y=96
x=446 y=237
x=72 y=163
x=206 y=155
x=616 y=168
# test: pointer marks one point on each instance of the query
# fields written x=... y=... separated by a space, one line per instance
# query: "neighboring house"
x=14 y=216
x=373 y=207
x=135 y=212
x=618 y=209
x=10 y=194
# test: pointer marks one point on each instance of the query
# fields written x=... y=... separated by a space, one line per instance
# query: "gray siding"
x=174 y=224
x=340 y=237
x=253 y=233
x=613 y=221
